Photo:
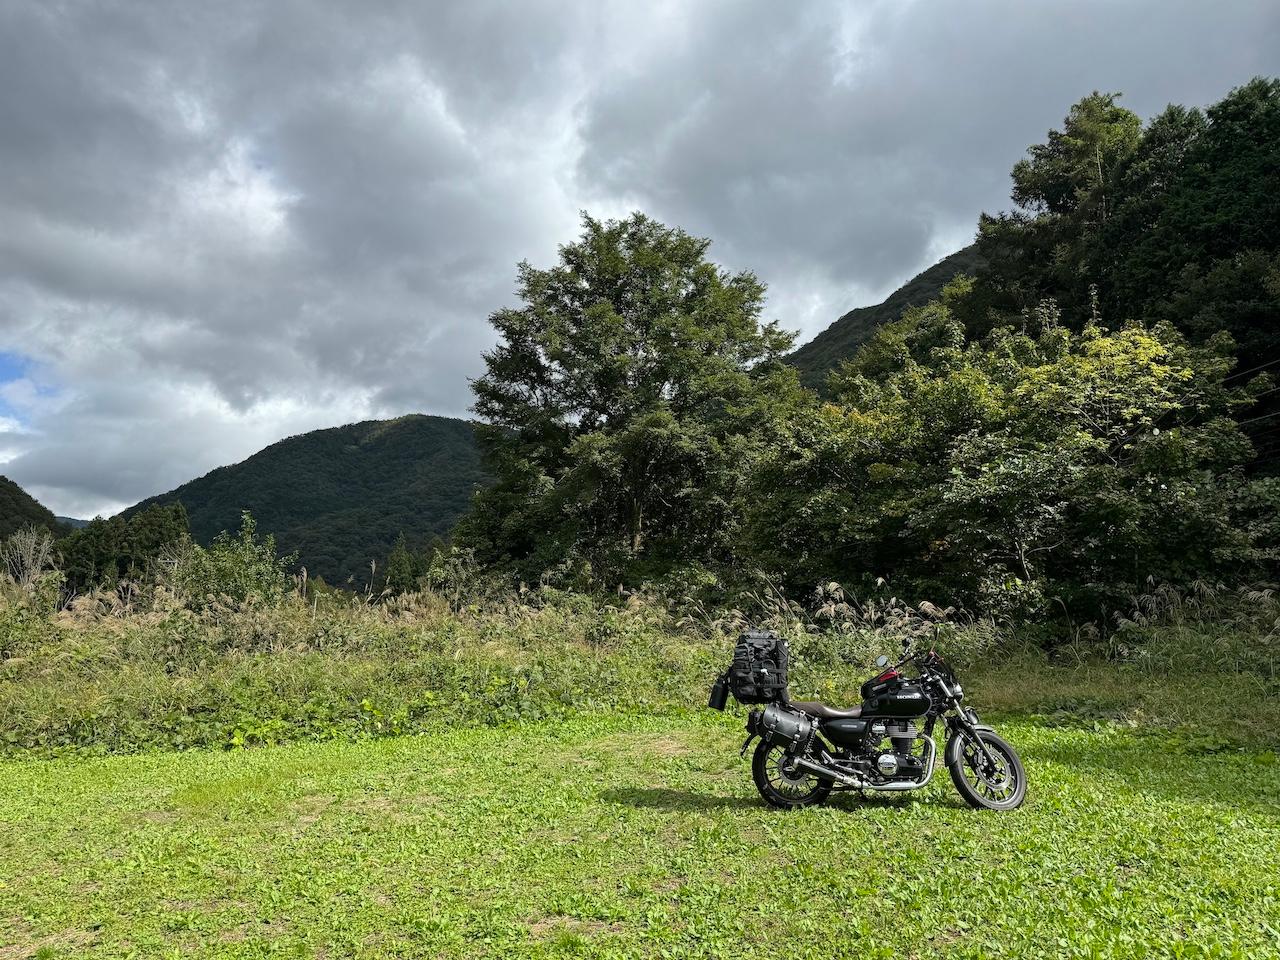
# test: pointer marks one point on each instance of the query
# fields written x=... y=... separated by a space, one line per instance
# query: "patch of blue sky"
x=13 y=366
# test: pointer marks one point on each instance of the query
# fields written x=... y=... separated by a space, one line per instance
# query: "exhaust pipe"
x=857 y=783
x=831 y=773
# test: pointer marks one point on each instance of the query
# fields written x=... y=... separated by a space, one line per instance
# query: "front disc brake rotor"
x=991 y=770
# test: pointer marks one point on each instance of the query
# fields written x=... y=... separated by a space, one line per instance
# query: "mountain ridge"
x=845 y=335
x=19 y=509
x=340 y=496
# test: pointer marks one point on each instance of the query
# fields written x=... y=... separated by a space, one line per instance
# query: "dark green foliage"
x=338 y=498
x=403 y=569
x=240 y=570
x=19 y=509
x=841 y=340
x=624 y=405
x=1029 y=473
x=1179 y=221
x=1065 y=190
x=103 y=552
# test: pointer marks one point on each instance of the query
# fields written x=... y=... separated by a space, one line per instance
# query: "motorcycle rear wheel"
x=783 y=786
x=997 y=785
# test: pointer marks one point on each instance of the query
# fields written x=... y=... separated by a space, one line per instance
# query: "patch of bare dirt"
x=669 y=747
x=21 y=942
x=548 y=926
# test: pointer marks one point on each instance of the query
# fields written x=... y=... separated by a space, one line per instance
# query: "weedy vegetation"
x=463 y=772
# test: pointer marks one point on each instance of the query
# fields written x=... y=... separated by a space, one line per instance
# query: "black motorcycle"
x=807 y=749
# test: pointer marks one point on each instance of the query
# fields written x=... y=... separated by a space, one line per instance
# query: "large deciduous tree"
x=623 y=405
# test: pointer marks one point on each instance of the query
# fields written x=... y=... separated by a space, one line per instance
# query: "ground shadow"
x=665 y=798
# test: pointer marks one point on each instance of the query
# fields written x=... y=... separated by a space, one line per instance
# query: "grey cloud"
x=227 y=223
x=842 y=142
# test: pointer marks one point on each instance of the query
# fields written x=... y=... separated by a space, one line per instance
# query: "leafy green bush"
x=237 y=570
x=1035 y=473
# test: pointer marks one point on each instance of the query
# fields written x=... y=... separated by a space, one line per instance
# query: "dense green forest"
x=1050 y=435
x=339 y=498
x=19 y=509
x=840 y=341
x=1176 y=221
x=122 y=548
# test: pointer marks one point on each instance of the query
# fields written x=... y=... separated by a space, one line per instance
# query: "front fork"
x=965 y=723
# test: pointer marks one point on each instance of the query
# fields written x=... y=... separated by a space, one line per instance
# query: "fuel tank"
x=896 y=700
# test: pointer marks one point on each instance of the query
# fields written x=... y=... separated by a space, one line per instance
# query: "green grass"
x=631 y=836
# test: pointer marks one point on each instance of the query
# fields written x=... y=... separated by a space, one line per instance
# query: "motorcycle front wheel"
x=988 y=780
x=781 y=783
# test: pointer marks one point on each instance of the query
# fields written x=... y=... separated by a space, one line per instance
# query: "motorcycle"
x=808 y=749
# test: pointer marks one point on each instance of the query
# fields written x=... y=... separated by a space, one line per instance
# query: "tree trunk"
x=637 y=526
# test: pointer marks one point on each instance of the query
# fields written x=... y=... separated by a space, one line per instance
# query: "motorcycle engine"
x=898 y=762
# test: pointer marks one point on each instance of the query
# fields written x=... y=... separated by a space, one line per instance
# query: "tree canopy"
x=623 y=406
x=1035 y=463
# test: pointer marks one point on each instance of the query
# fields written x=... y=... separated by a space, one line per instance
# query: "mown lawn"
x=631 y=837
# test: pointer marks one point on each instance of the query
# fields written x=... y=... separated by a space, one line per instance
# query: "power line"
x=1262 y=462
x=1241 y=373
x=1264 y=433
x=1264 y=393
x=1265 y=416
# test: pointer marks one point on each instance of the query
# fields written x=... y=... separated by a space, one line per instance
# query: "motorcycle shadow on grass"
x=667 y=798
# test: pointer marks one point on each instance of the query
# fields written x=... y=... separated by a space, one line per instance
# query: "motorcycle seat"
x=824 y=712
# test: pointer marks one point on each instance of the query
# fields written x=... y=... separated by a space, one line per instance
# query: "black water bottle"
x=719 y=692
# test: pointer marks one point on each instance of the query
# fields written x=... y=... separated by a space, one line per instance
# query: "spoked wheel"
x=782 y=783
x=991 y=779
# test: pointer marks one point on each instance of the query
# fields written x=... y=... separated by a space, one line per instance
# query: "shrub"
x=233 y=571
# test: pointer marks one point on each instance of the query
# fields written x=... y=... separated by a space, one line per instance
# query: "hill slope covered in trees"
x=18 y=509
x=842 y=339
x=340 y=497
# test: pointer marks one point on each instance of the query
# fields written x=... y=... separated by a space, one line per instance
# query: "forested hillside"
x=340 y=497
x=19 y=509
x=842 y=339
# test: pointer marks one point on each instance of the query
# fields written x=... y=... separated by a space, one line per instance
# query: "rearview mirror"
x=882 y=661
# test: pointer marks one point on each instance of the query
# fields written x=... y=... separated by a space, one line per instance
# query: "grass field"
x=631 y=836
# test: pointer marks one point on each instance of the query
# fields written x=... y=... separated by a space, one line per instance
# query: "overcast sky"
x=222 y=224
